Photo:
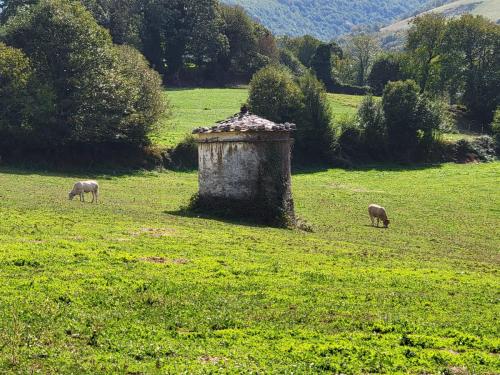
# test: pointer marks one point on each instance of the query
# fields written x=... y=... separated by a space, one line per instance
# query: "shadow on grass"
x=389 y=167
x=217 y=216
x=91 y=173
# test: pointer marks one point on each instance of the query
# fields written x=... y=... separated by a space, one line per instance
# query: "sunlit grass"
x=131 y=285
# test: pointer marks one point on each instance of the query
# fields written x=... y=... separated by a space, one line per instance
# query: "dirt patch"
x=154 y=232
x=160 y=260
x=209 y=360
x=455 y=370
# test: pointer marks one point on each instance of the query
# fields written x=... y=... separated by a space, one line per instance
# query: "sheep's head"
x=71 y=195
x=386 y=223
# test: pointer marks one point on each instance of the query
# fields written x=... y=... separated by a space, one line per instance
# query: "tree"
x=95 y=88
x=274 y=95
x=123 y=19
x=471 y=63
x=386 y=68
x=372 y=122
x=251 y=46
x=8 y=8
x=321 y=63
x=303 y=47
x=180 y=33
x=423 y=45
x=411 y=118
x=362 y=49
x=239 y=30
x=315 y=135
x=15 y=75
x=288 y=59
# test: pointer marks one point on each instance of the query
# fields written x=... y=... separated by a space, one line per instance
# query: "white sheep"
x=379 y=213
x=82 y=187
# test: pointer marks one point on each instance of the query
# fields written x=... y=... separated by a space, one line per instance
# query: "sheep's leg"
x=93 y=197
x=373 y=220
x=96 y=196
x=378 y=221
x=83 y=197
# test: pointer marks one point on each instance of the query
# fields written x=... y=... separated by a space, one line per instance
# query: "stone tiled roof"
x=246 y=122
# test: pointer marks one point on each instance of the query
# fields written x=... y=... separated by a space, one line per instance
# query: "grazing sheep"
x=83 y=187
x=377 y=212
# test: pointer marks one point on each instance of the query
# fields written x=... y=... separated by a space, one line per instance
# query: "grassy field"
x=192 y=108
x=135 y=286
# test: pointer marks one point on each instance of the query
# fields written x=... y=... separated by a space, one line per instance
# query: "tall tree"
x=423 y=44
x=123 y=19
x=362 y=49
x=471 y=61
x=180 y=32
x=386 y=68
x=321 y=62
x=100 y=93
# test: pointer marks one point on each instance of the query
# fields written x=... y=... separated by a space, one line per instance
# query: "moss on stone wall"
x=272 y=203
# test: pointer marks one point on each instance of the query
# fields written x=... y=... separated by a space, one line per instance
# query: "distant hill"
x=327 y=19
x=487 y=8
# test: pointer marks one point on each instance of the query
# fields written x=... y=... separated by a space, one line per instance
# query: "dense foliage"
x=401 y=127
x=326 y=19
x=15 y=76
x=275 y=94
x=93 y=92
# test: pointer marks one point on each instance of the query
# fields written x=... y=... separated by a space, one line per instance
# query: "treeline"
x=455 y=60
x=63 y=84
x=189 y=42
x=87 y=75
x=445 y=62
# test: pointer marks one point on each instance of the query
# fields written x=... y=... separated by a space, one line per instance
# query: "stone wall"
x=249 y=171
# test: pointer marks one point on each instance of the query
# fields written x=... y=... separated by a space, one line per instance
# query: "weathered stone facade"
x=244 y=167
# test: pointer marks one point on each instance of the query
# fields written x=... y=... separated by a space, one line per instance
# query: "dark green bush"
x=387 y=68
x=98 y=93
x=182 y=156
x=315 y=137
x=479 y=149
x=275 y=95
x=411 y=119
x=372 y=122
x=288 y=59
x=15 y=76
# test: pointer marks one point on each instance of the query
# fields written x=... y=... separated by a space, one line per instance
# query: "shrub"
x=411 y=119
x=480 y=149
x=315 y=137
x=371 y=120
x=275 y=95
x=385 y=69
x=351 y=141
x=182 y=156
x=100 y=94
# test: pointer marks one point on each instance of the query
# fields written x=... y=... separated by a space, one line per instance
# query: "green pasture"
x=135 y=285
x=191 y=108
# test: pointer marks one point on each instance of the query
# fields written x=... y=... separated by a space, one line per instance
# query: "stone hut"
x=244 y=168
